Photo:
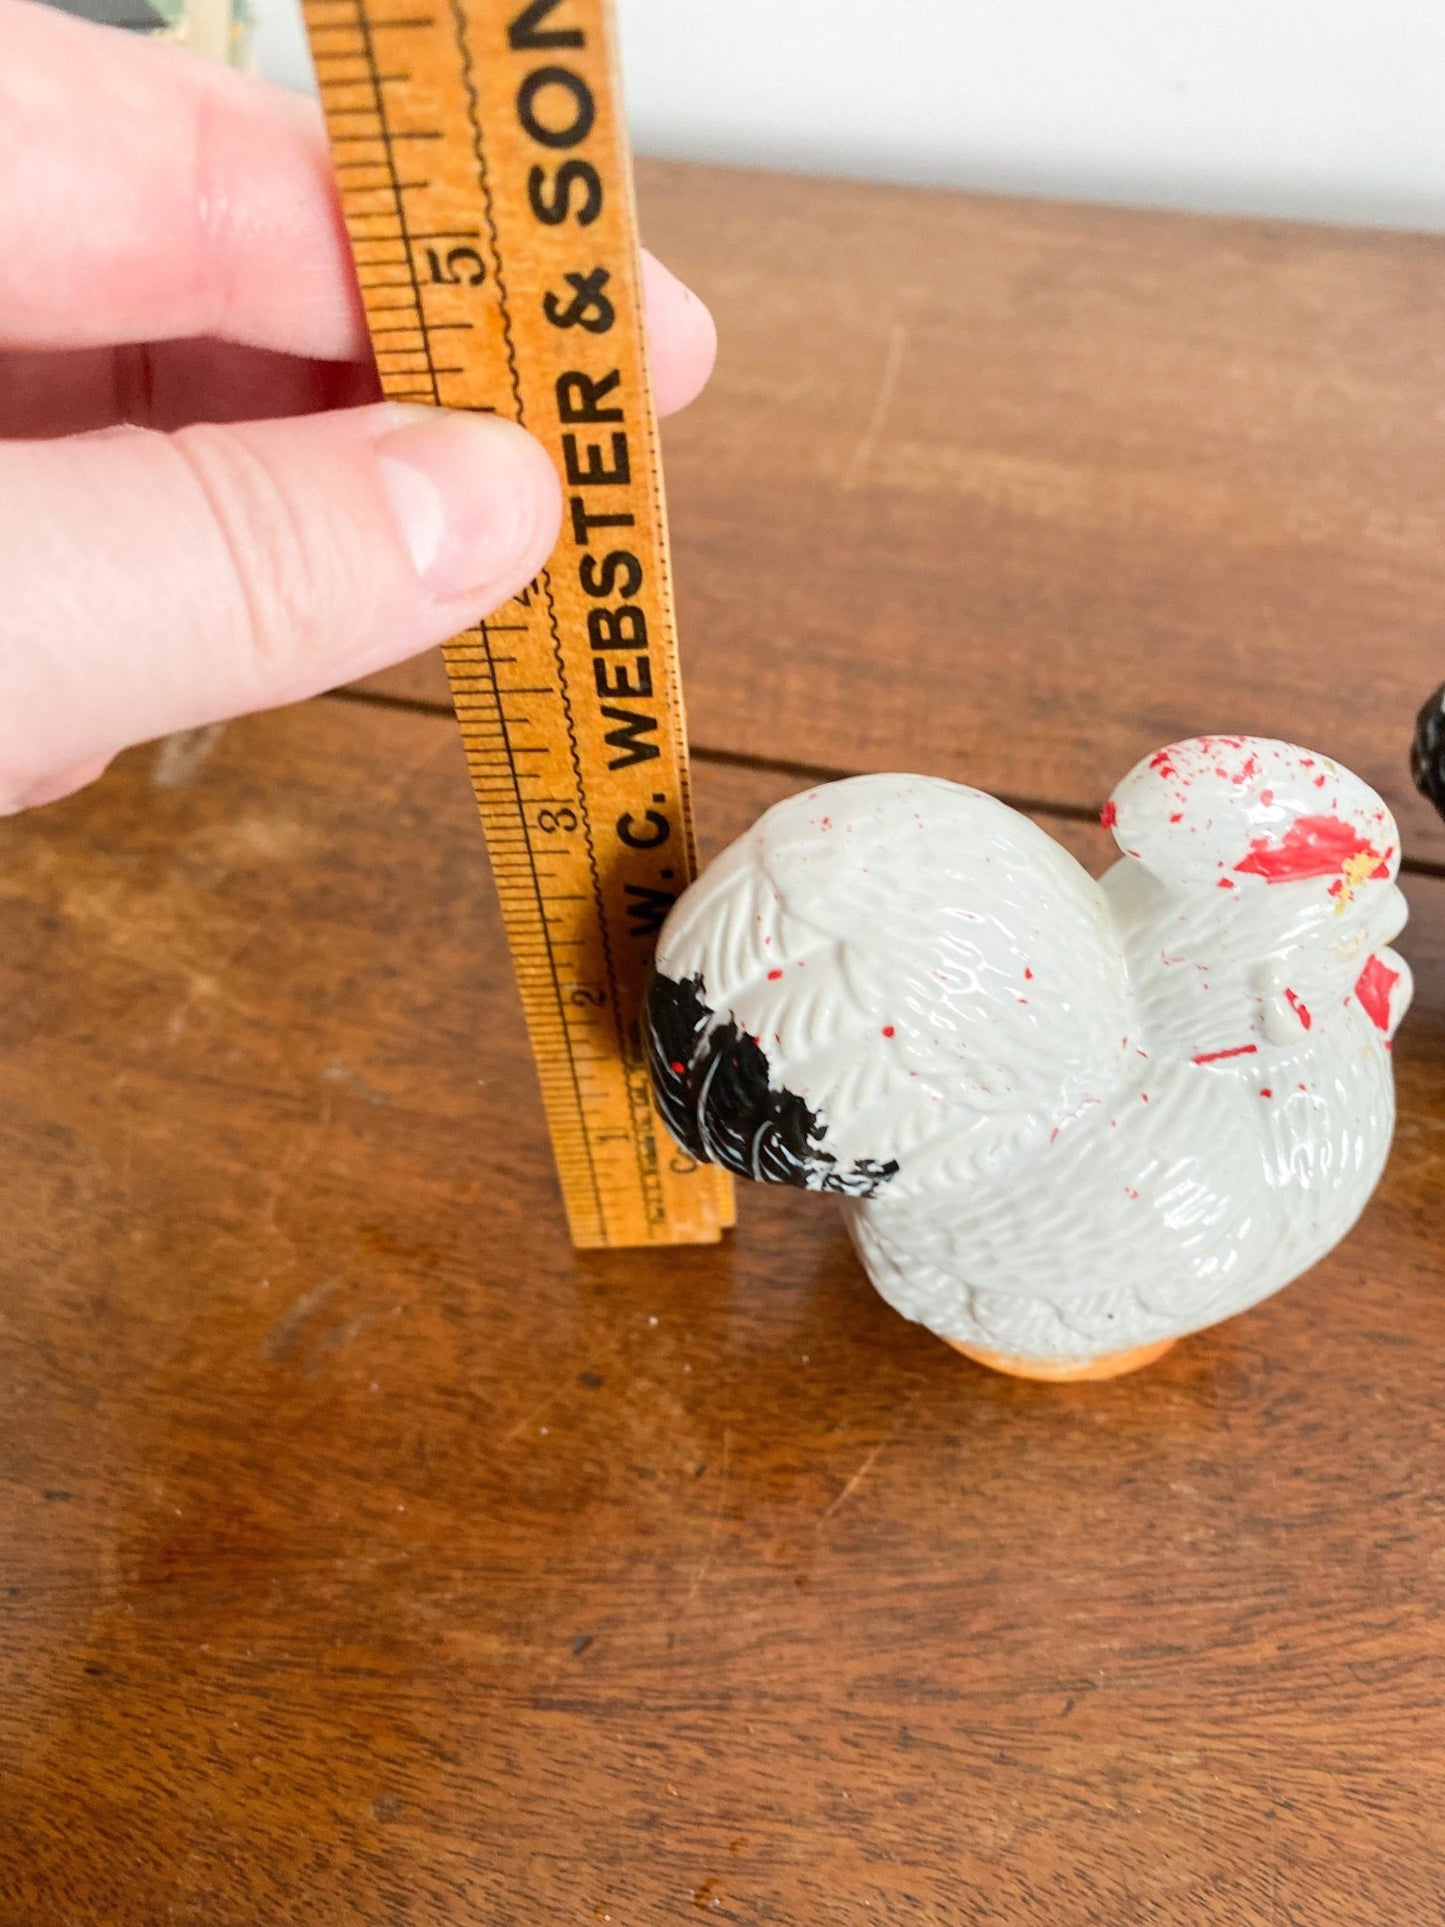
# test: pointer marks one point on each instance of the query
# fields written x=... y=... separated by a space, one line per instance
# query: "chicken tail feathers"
x=711 y=1081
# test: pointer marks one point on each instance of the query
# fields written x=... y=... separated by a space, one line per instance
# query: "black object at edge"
x=134 y=16
x=1427 y=752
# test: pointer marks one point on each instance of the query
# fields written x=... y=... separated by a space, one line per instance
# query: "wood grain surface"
x=370 y=1556
x=367 y=1555
x=1093 y=480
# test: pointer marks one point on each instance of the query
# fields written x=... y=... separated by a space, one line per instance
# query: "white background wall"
x=1321 y=109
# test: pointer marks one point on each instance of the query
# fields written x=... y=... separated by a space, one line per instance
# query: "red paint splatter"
x=1266 y=797
x=774 y=975
x=1266 y=1092
x=1216 y=1056
x=1109 y=815
x=1131 y=1193
x=1178 y=817
x=1373 y=988
x=1028 y=974
x=1143 y=1097
x=1300 y=1008
x=1162 y=762
x=888 y=1030
x=681 y=1069
x=1225 y=883
x=1312 y=846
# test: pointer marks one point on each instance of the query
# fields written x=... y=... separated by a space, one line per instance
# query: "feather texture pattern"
x=1068 y=1118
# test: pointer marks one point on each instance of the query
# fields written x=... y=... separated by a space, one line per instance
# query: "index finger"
x=147 y=195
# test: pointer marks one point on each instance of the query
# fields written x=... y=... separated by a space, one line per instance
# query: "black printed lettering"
x=622 y=628
x=589 y=307
x=583 y=522
x=583 y=109
x=626 y=739
x=551 y=198
x=601 y=578
x=616 y=678
x=578 y=396
x=596 y=473
x=658 y=830
x=527 y=34
x=648 y=909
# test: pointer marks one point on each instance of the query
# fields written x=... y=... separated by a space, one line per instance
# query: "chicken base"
x=1062 y=1371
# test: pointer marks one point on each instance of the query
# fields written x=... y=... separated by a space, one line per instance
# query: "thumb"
x=155 y=582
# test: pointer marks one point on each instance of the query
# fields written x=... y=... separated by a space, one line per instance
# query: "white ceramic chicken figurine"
x=1072 y=1120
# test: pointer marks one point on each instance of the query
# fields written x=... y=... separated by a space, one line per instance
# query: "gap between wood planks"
x=805 y=772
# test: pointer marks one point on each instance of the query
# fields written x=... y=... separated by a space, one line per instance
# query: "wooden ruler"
x=487 y=189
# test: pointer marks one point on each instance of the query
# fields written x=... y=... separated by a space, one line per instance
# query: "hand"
x=172 y=256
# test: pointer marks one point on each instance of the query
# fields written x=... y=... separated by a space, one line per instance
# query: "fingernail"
x=475 y=498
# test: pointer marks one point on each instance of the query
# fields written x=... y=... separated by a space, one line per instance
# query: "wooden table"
x=370 y=1556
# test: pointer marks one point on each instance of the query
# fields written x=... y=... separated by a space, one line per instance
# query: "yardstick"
x=486 y=185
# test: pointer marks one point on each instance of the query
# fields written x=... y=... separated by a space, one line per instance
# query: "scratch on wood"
x=180 y=757
x=722 y=1492
x=286 y=1333
x=871 y=1459
x=291 y=1160
x=868 y=440
x=344 y=1074
x=858 y=1477
x=529 y=1419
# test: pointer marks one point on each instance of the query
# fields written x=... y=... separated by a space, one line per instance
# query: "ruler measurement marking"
x=591 y=1162
x=407 y=242
x=473 y=108
x=566 y=912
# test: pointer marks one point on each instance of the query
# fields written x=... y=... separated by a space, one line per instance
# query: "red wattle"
x=1373 y=988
